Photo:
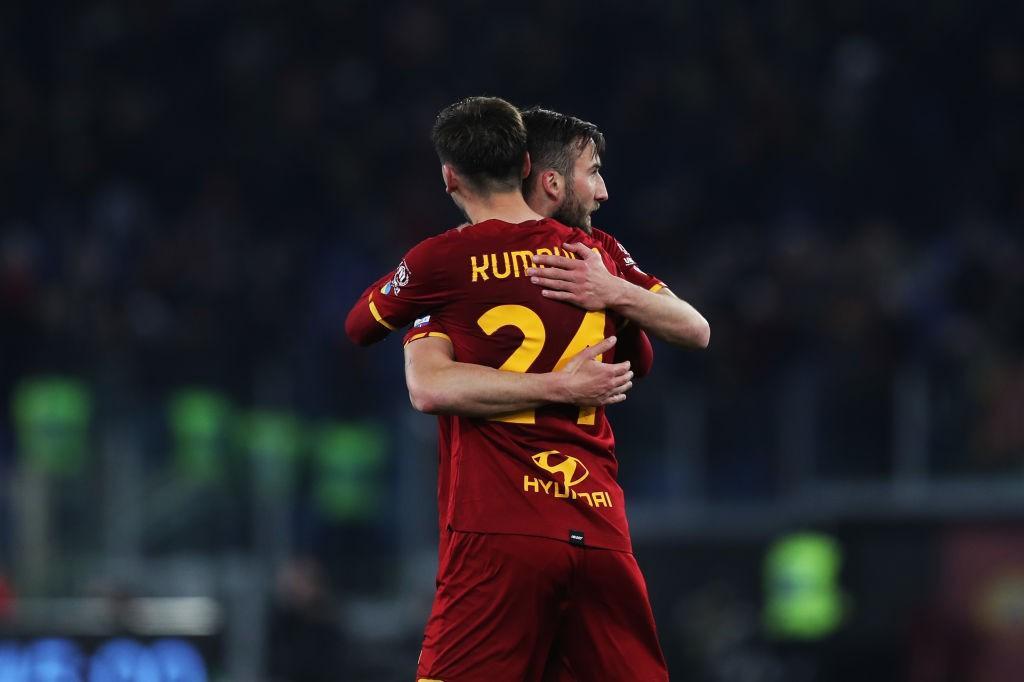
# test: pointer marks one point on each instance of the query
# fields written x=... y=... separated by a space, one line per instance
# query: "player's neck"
x=507 y=206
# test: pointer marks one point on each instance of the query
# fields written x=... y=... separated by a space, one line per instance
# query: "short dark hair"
x=556 y=140
x=484 y=139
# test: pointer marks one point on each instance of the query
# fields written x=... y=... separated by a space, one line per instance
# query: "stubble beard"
x=572 y=212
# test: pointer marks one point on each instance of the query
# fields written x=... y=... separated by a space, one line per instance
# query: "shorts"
x=517 y=608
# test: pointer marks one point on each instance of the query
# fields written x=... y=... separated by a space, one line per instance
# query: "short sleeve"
x=424 y=327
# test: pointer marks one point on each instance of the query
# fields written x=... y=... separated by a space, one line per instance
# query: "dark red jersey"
x=549 y=472
x=625 y=263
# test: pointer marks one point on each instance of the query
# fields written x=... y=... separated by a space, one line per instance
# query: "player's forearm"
x=663 y=314
x=634 y=346
x=361 y=327
x=364 y=324
x=478 y=391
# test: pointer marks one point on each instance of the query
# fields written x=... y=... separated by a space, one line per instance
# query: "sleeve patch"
x=401 y=278
x=626 y=258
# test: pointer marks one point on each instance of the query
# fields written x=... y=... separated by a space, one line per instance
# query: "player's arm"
x=586 y=282
x=635 y=346
x=663 y=313
x=438 y=384
x=420 y=283
x=364 y=324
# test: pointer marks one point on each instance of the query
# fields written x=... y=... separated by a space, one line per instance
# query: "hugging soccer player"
x=536 y=579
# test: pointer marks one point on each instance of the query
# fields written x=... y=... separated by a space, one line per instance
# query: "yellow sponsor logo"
x=552 y=461
x=571 y=471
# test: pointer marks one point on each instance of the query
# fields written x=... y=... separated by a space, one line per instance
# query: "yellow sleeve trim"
x=423 y=334
x=657 y=287
x=376 y=315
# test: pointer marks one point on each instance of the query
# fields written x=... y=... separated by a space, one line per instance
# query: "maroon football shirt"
x=627 y=267
x=549 y=472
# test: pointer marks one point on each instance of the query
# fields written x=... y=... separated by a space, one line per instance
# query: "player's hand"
x=582 y=281
x=591 y=383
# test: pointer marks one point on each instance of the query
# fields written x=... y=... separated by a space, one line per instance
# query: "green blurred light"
x=348 y=462
x=273 y=441
x=51 y=417
x=803 y=600
x=200 y=425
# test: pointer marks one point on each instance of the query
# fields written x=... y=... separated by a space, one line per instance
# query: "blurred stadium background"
x=194 y=460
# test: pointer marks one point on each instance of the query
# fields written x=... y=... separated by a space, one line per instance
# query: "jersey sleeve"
x=628 y=268
x=418 y=284
x=634 y=345
x=423 y=328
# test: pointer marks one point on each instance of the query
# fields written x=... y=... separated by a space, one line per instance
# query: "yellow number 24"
x=590 y=331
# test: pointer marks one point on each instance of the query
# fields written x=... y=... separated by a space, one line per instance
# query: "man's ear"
x=451 y=178
x=526 y=167
x=552 y=184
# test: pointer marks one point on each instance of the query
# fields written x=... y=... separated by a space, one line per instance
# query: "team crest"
x=401 y=277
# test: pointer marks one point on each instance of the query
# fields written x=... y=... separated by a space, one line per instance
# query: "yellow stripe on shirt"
x=376 y=315
x=423 y=334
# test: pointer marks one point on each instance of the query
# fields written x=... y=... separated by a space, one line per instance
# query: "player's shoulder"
x=440 y=242
x=605 y=239
x=495 y=225
x=451 y=240
x=491 y=231
x=612 y=245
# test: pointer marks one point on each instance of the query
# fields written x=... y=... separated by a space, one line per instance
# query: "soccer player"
x=534 y=544
x=565 y=183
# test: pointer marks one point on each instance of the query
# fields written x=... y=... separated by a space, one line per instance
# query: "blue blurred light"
x=54 y=660
x=124 y=660
x=118 y=660
x=179 y=661
x=13 y=663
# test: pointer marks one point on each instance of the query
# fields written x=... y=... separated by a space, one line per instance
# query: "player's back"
x=502 y=318
x=549 y=471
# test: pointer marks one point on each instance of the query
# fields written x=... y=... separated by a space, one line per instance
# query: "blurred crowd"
x=194 y=193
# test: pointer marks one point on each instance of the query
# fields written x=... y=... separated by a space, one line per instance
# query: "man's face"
x=584 y=190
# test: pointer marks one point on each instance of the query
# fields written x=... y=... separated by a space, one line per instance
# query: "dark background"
x=192 y=194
